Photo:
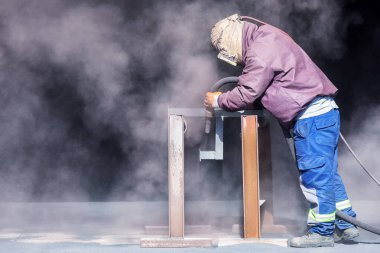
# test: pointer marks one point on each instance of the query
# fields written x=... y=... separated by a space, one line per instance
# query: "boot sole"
x=321 y=244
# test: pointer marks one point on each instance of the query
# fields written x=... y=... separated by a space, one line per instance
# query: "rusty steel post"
x=251 y=199
x=176 y=194
x=176 y=177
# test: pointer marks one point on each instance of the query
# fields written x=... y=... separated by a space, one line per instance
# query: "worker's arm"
x=256 y=77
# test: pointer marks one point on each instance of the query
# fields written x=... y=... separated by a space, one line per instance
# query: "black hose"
x=216 y=87
x=289 y=140
x=219 y=84
x=358 y=160
x=356 y=222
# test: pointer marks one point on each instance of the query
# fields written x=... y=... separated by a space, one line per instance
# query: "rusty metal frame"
x=251 y=199
x=176 y=176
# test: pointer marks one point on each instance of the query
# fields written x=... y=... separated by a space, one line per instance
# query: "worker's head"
x=226 y=37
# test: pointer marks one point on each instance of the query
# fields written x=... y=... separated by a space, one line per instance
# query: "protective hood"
x=226 y=37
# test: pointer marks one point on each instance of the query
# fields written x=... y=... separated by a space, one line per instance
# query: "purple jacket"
x=278 y=72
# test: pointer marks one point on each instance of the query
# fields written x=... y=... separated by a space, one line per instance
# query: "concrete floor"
x=111 y=227
x=11 y=246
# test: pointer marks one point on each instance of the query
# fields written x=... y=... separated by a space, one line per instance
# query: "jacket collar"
x=249 y=34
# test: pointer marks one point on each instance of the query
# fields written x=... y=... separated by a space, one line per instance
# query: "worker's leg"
x=345 y=230
x=316 y=139
x=342 y=202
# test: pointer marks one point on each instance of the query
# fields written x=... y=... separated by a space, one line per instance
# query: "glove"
x=211 y=99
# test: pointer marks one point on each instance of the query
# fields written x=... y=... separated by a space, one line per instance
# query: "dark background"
x=356 y=74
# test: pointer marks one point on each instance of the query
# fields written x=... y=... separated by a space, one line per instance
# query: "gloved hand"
x=211 y=99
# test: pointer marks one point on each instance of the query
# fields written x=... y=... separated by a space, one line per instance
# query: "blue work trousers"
x=316 y=146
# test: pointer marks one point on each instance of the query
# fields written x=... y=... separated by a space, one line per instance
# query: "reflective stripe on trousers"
x=341 y=205
x=316 y=146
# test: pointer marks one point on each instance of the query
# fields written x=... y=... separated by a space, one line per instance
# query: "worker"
x=278 y=73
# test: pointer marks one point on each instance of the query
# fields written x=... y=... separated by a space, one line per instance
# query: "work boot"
x=345 y=235
x=311 y=240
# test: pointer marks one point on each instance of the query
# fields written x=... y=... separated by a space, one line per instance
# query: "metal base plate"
x=178 y=243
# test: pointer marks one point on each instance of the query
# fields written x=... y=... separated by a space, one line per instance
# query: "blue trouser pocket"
x=327 y=131
x=313 y=173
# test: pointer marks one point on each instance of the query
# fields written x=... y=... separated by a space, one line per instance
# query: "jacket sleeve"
x=254 y=80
